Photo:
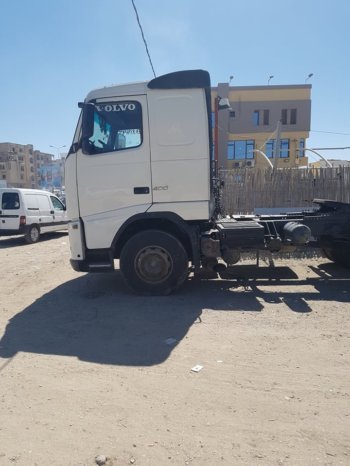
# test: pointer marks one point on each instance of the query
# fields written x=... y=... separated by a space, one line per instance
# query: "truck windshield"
x=117 y=126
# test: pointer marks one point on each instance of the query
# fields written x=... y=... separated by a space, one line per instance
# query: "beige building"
x=260 y=116
x=20 y=165
x=333 y=162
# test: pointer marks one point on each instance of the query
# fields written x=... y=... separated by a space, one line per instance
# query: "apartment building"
x=21 y=165
x=259 y=117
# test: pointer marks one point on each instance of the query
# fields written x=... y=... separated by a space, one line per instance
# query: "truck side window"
x=117 y=126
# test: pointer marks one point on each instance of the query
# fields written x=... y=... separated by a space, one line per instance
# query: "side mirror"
x=88 y=120
x=87 y=129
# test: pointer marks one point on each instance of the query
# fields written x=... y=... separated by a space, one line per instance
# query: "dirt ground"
x=88 y=369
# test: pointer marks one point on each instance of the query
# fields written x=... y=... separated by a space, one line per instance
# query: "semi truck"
x=143 y=187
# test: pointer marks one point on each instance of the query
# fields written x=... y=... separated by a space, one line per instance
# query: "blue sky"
x=53 y=52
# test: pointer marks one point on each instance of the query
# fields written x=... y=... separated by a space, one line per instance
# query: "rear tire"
x=338 y=255
x=154 y=262
x=32 y=235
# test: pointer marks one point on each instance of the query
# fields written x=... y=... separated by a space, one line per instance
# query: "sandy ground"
x=87 y=369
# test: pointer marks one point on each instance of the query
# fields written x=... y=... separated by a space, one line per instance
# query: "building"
x=334 y=163
x=259 y=116
x=21 y=165
x=51 y=174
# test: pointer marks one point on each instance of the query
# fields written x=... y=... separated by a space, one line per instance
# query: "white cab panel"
x=179 y=145
x=100 y=229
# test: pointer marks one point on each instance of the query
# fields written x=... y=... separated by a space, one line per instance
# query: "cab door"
x=114 y=168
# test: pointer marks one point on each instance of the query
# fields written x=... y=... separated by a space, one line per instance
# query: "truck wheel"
x=154 y=262
x=32 y=235
x=338 y=255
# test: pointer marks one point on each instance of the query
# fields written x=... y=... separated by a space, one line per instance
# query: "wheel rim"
x=153 y=264
x=34 y=234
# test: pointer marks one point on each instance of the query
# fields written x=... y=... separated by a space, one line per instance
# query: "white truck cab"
x=30 y=212
x=140 y=160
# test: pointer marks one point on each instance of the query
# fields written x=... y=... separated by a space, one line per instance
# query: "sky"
x=53 y=52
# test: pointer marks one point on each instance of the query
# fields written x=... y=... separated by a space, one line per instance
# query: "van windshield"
x=10 y=201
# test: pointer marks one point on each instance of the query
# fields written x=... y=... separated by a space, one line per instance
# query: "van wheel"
x=154 y=262
x=32 y=235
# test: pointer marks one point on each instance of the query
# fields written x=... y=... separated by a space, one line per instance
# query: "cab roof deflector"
x=188 y=79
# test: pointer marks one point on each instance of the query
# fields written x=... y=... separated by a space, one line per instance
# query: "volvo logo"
x=122 y=107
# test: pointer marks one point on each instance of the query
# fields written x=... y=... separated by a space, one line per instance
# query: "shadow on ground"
x=95 y=319
x=15 y=241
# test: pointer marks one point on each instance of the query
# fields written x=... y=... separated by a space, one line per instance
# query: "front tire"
x=32 y=235
x=154 y=262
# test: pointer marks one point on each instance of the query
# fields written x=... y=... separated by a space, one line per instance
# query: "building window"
x=269 y=148
x=261 y=117
x=240 y=150
x=284 y=114
x=22 y=168
x=301 y=150
x=293 y=116
x=292 y=113
x=284 y=148
x=4 y=177
x=232 y=114
x=266 y=117
x=212 y=119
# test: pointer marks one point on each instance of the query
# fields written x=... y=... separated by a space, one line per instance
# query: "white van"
x=30 y=212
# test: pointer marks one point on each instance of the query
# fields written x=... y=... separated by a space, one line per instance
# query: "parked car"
x=30 y=212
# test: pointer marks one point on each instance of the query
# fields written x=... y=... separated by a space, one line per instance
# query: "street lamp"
x=315 y=149
x=58 y=149
x=270 y=77
x=321 y=156
x=308 y=77
x=264 y=155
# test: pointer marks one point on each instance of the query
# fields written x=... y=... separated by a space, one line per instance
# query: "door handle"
x=141 y=190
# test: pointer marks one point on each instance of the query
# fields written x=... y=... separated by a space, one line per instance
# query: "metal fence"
x=246 y=189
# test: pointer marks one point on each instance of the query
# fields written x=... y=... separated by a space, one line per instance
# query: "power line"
x=329 y=132
x=143 y=37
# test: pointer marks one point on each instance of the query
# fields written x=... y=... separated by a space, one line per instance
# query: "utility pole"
x=276 y=152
